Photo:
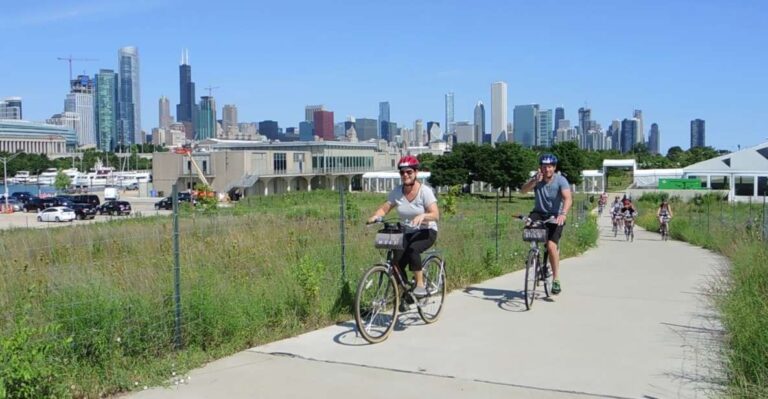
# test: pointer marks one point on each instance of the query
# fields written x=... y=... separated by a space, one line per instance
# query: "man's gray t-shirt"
x=410 y=209
x=549 y=200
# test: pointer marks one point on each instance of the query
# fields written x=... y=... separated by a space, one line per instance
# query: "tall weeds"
x=267 y=269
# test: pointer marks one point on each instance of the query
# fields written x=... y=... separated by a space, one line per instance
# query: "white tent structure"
x=384 y=182
x=743 y=173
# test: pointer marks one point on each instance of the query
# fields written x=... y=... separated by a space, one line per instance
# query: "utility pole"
x=70 y=59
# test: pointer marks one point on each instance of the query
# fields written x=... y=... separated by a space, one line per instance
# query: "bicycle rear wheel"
x=376 y=304
x=434 y=279
x=543 y=271
x=531 y=274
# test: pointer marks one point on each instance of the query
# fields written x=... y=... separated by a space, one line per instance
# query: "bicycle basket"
x=535 y=234
x=389 y=238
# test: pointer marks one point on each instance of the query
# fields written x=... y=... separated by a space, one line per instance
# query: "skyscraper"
x=229 y=120
x=653 y=139
x=698 y=133
x=585 y=120
x=525 y=124
x=305 y=131
x=449 y=115
x=433 y=131
x=164 y=113
x=479 y=122
x=129 y=96
x=80 y=101
x=10 y=108
x=309 y=112
x=499 y=112
x=614 y=132
x=544 y=129
x=384 y=132
x=559 y=115
x=186 y=109
x=269 y=129
x=106 y=109
x=418 y=133
x=206 y=119
x=366 y=128
x=628 y=134
x=638 y=114
x=324 y=125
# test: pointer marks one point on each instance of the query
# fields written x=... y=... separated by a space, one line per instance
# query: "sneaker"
x=420 y=292
x=556 y=287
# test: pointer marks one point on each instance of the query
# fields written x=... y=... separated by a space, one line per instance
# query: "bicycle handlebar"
x=530 y=222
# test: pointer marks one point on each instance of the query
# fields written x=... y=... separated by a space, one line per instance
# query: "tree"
x=570 y=160
x=426 y=160
x=62 y=181
x=448 y=170
x=515 y=164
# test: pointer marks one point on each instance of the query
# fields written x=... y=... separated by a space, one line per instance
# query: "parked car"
x=13 y=203
x=22 y=196
x=167 y=202
x=36 y=204
x=56 y=214
x=92 y=199
x=84 y=211
x=115 y=208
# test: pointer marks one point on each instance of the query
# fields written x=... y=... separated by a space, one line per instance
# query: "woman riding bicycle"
x=664 y=211
x=417 y=207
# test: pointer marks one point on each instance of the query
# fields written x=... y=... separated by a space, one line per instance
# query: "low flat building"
x=35 y=138
x=259 y=168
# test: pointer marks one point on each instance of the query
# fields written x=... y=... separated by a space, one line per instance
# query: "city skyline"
x=679 y=67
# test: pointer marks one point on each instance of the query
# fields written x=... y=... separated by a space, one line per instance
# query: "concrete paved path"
x=633 y=321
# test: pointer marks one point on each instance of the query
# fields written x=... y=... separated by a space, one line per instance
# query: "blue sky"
x=675 y=60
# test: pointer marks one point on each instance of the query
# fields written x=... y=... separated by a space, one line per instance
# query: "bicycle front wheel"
x=376 y=304
x=531 y=275
x=434 y=279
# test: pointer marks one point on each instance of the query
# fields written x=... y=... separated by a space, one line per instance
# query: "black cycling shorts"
x=554 y=231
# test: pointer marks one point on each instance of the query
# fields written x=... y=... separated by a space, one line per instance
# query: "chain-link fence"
x=111 y=303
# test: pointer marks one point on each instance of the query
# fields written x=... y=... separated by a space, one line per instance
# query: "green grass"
x=742 y=295
x=97 y=299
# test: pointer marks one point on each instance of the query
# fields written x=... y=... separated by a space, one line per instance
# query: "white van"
x=111 y=193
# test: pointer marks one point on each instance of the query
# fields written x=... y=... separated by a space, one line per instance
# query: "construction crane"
x=211 y=89
x=70 y=59
x=188 y=152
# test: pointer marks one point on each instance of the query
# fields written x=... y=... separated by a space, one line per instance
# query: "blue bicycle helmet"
x=547 y=159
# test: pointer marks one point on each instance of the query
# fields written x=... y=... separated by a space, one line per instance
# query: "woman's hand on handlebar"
x=374 y=219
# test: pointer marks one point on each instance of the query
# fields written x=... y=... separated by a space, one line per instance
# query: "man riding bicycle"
x=552 y=199
x=417 y=207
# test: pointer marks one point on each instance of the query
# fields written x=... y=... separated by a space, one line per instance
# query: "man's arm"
x=530 y=184
x=567 y=202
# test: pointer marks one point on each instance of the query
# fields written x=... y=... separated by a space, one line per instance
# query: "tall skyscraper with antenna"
x=186 y=110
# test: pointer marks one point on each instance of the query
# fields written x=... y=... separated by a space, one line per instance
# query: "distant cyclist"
x=552 y=199
x=628 y=207
x=664 y=211
x=417 y=207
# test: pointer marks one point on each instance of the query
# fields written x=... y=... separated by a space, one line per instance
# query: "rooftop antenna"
x=211 y=89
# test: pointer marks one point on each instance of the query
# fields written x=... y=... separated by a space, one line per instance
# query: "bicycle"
x=664 y=229
x=600 y=207
x=536 y=271
x=617 y=219
x=629 y=226
x=381 y=287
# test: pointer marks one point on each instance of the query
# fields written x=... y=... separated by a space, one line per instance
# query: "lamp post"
x=5 y=174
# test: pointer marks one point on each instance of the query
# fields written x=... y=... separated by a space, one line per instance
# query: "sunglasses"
x=406 y=172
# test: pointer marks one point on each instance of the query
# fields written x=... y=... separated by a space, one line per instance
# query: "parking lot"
x=139 y=207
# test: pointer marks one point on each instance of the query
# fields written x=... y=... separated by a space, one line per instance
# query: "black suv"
x=114 y=208
x=22 y=196
x=167 y=202
x=35 y=204
x=83 y=211
x=92 y=199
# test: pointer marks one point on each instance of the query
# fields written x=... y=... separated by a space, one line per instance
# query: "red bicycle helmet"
x=408 y=161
